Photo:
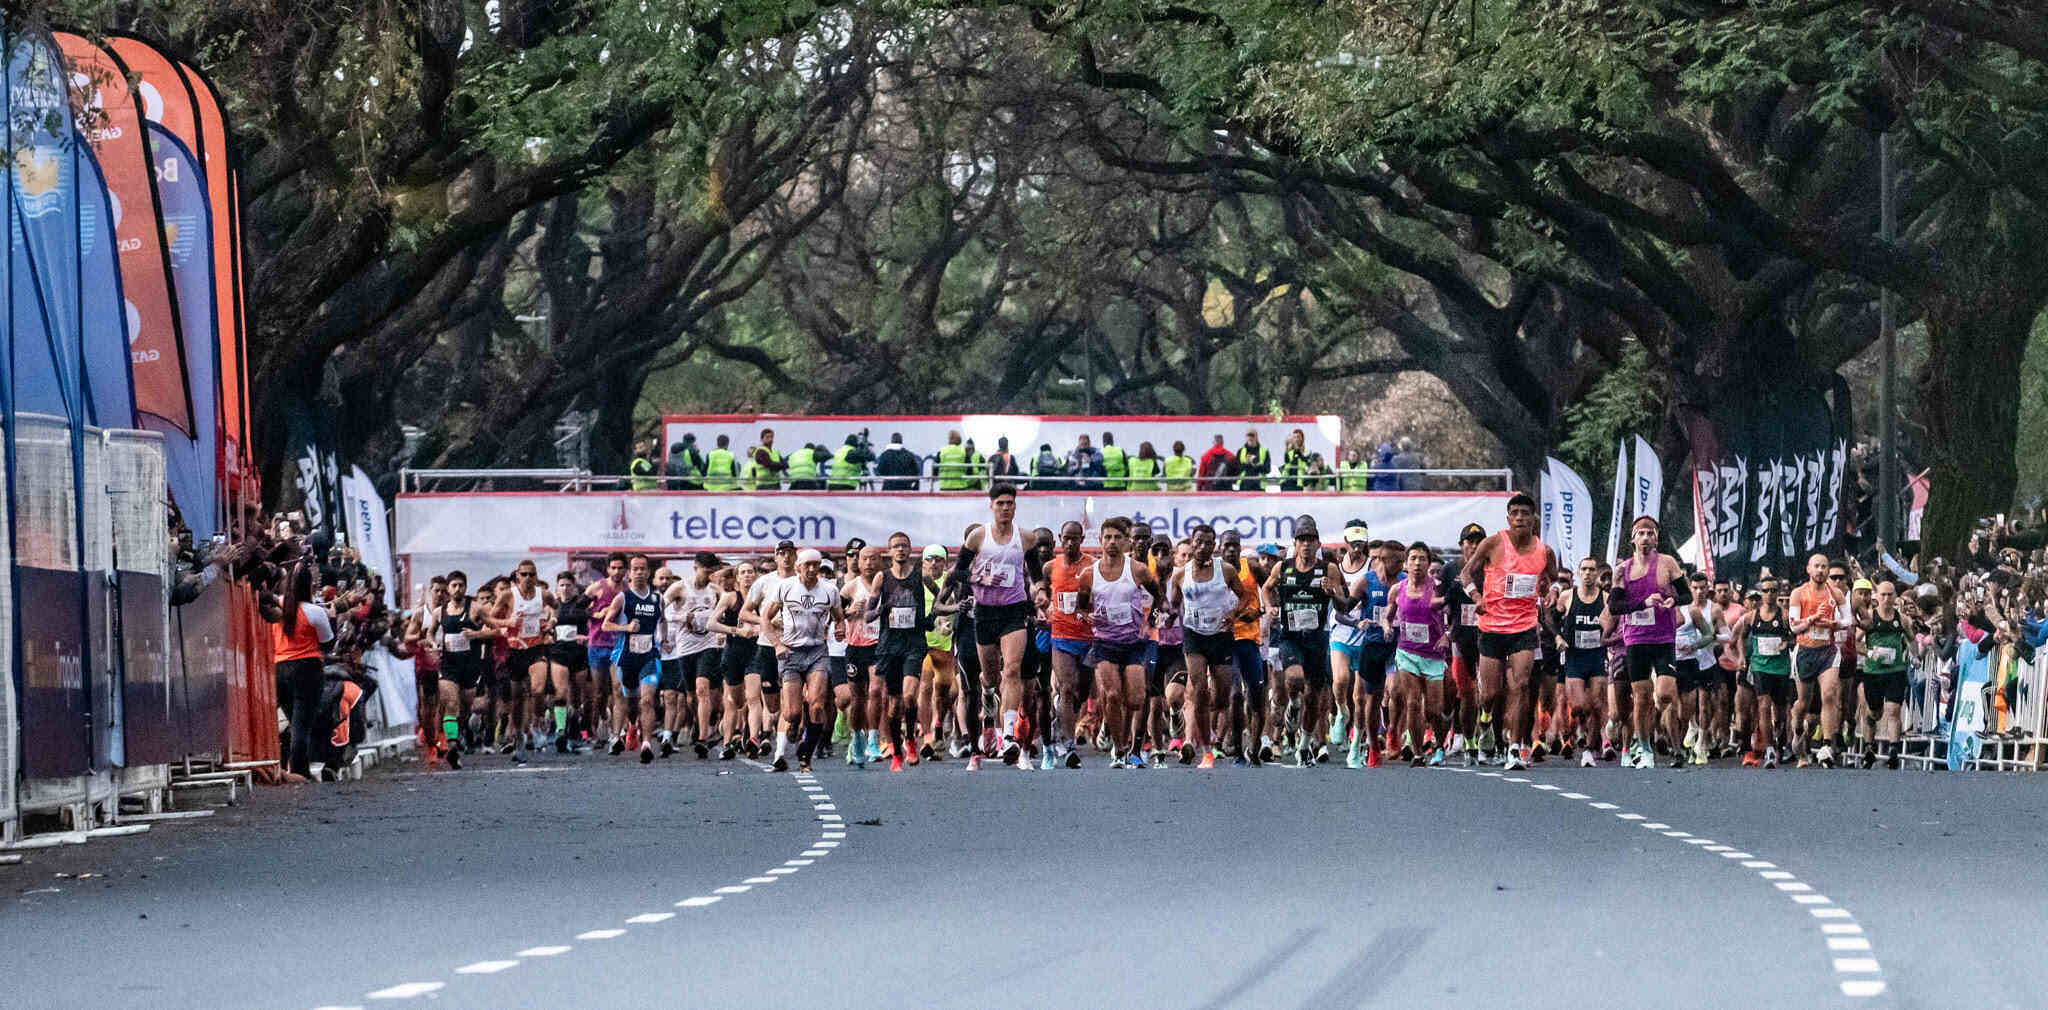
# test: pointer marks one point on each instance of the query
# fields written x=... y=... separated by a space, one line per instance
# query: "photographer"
x=299 y=629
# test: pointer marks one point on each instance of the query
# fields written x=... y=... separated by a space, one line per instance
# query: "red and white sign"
x=924 y=435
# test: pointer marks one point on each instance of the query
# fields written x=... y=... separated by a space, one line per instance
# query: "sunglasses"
x=1838 y=578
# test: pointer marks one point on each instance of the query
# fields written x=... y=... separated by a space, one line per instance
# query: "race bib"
x=1303 y=619
x=565 y=632
x=1114 y=614
x=1642 y=618
x=529 y=626
x=456 y=641
x=1771 y=646
x=1883 y=654
x=1468 y=615
x=902 y=617
x=640 y=643
x=1521 y=587
x=1585 y=639
x=1201 y=617
x=1414 y=634
x=1068 y=601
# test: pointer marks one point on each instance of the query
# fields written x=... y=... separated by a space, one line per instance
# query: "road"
x=594 y=881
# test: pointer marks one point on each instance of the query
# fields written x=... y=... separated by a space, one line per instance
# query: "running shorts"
x=1310 y=650
x=1419 y=666
x=1250 y=661
x=941 y=669
x=459 y=670
x=1648 y=660
x=636 y=669
x=1216 y=649
x=1075 y=647
x=704 y=664
x=523 y=660
x=1810 y=663
x=1119 y=654
x=992 y=623
x=1693 y=677
x=603 y=657
x=573 y=655
x=802 y=661
x=1586 y=665
x=1501 y=645
x=1880 y=689
x=854 y=668
x=1372 y=666
x=894 y=664
x=672 y=677
x=1773 y=686
x=739 y=654
x=764 y=662
x=1349 y=650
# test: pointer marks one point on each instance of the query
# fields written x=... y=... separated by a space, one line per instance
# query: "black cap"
x=855 y=544
x=706 y=559
x=1472 y=531
x=786 y=545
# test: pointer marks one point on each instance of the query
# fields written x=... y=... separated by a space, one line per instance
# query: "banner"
x=495 y=529
x=1768 y=477
x=1617 y=517
x=1572 y=504
x=113 y=125
x=1649 y=483
x=187 y=227
x=1026 y=432
x=368 y=530
x=316 y=477
x=1921 y=486
x=110 y=395
x=44 y=190
x=215 y=161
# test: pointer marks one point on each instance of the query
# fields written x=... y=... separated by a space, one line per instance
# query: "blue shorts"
x=603 y=657
x=641 y=669
x=1349 y=650
x=1419 y=666
x=1075 y=647
x=1250 y=661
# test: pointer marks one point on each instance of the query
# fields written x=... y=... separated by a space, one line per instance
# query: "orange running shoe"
x=1749 y=759
x=1208 y=759
x=896 y=763
x=910 y=756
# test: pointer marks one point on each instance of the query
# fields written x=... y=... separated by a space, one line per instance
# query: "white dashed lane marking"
x=831 y=833
x=1860 y=976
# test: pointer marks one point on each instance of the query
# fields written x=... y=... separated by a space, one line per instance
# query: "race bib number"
x=1116 y=614
x=1521 y=587
x=1068 y=601
x=1414 y=634
x=565 y=632
x=640 y=643
x=1883 y=654
x=455 y=642
x=1303 y=619
x=1468 y=615
x=1842 y=638
x=1585 y=639
x=902 y=617
x=1771 y=646
x=529 y=626
x=1642 y=618
x=1201 y=617
x=996 y=576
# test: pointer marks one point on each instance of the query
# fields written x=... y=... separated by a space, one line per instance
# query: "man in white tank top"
x=1205 y=594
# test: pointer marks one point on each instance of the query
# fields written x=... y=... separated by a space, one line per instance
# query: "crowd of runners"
x=1020 y=647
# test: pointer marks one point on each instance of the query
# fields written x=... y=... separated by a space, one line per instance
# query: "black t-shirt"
x=1451 y=586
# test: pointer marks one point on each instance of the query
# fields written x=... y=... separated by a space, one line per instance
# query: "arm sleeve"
x=1681 y=591
x=1899 y=571
x=963 y=561
x=1618 y=603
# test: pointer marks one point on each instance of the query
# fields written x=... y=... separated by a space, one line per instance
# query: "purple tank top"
x=1645 y=627
x=600 y=595
x=1119 y=606
x=998 y=573
x=1418 y=626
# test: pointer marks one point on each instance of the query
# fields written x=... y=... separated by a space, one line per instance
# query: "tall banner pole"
x=1618 y=516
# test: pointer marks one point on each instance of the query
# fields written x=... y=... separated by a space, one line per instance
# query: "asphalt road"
x=594 y=881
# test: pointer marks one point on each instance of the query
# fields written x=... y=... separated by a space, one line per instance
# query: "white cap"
x=808 y=555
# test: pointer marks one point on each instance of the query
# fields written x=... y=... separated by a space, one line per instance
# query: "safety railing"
x=431 y=480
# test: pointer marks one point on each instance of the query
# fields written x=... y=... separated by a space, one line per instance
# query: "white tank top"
x=530 y=613
x=1119 y=606
x=1207 y=606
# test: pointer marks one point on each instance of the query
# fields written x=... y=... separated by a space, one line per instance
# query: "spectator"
x=1408 y=459
x=1294 y=462
x=684 y=469
x=1253 y=463
x=764 y=466
x=1085 y=463
x=1179 y=469
x=806 y=468
x=1383 y=460
x=1318 y=475
x=952 y=470
x=1046 y=468
x=1354 y=474
x=721 y=468
x=898 y=467
x=1215 y=468
x=640 y=472
x=1001 y=463
x=1115 y=465
x=1144 y=474
x=977 y=467
x=850 y=463
x=300 y=628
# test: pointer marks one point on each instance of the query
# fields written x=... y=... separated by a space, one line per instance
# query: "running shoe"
x=1337 y=729
x=1436 y=757
x=753 y=748
x=1265 y=752
x=1699 y=751
x=562 y=743
x=1134 y=760
x=1586 y=759
x=1323 y=754
x=1303 y=759
x=1692 y=735
x=1011 y=750
x=803 y=764
x=668 y=747
x=1159 y=759
x=1803 y=761
x=1187 y=754
x=781 y=765
x=854 y=756
x=1750 y=759
x=647 y=753
x=1607 y=750
x=1514 y=761
x=1771 y=757
x=618 y=746
x=1677 y=760
x=961 y=747
x=1208 y=761
x=1045 y=762
x=1417 y=761
x=910 y=757
x=842 y=730
x=896 y=763
x=1892 y=761
x=1102 y=741
x=453 y=756
x=1354 y=759
x=1457 y=743
x=927 y=752
x=702 y=751
x=1535 y=753
x=1372 y=757
x=1240 y=762
x=731 y=750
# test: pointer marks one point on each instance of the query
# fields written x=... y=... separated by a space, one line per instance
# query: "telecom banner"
x=487 y=525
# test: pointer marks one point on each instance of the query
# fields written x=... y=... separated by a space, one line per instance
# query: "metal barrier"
x=429 y=481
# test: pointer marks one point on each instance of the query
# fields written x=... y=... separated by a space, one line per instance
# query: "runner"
x=1764 y=637
x=1415 y=621
x=671 y=685
x=765 y=668
x=567 y=651
x=1511 y=566
x=998 y=560
x=941 y=669
x=462 y=663
x=1645 y=589
x=1205 y=593
x=796 y=623
x=1692 y=653
x=1816 y=613
x=1247 y=719
x=635 y=614
x=1117 y=593
x=1299 y=593
x=1887 y=631
x=1582 y=630
x=601 y=649
x=1070 y=637
x=1464 y=612
x=850 y=694
x=746 y=717
x=421 y=639
x=1729 y=690
x=700 y=645
x=532 y=663
x=1166 y=674
x=899 y=599
x=1347 y=624
x=1376 y=654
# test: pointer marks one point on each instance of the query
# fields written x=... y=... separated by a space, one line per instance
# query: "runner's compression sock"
x=561 y=718
x=451 y=731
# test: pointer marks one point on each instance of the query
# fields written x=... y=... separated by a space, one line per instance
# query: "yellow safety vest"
x=1353 y=476
x=1144 y=474
x=977 y=471
x=752 y=476
x=1180 y=473
x=952 y=469
x=721 y=471
x=642 y=472
x=845 y=475
x=803 y=465
x=1115 y=468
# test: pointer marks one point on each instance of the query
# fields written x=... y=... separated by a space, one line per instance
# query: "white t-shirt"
x=805 y=614
x=317 y=617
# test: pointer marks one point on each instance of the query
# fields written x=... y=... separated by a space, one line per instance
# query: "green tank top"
x=1884 y=646
x=1770 y=646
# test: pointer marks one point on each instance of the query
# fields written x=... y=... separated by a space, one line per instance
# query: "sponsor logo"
x=621 y=531
x=743 y=527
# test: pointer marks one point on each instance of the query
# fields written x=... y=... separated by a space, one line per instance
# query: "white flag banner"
x=1547 y=511
x=1618 y=517
x=1573 y=510
x=1649 y=483
x=367 y=529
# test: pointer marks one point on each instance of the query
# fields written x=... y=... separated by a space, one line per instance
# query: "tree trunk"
x=1970 y=391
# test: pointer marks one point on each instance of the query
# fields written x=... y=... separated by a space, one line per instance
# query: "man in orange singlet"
x=1507 y=575
x=1817 y=610
x=1070 y=639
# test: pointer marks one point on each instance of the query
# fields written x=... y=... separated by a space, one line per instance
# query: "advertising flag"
x=215 y=161
x=1547 y=515
x=1574 y=509
x=1618 y=516
x=112 y=122
x=1766 y=482
x=44 y=201
x=368 y=531
x=1649 y=483
x=190 y=462
x=109 y=391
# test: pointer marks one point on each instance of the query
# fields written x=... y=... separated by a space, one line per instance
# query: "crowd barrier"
x=2015 y=706
x=114 y=689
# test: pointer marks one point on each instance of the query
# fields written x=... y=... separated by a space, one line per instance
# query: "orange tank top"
x=1514 y=588
x=1066 y=585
